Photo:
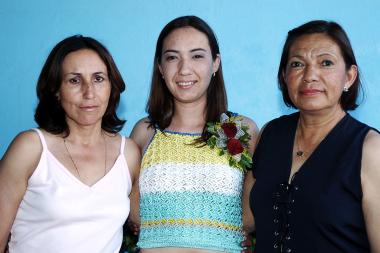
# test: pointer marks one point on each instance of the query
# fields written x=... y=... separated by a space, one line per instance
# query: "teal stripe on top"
x=190 y=205
x=183 y=236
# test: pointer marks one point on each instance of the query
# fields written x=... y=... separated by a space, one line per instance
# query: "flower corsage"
x=231 y=137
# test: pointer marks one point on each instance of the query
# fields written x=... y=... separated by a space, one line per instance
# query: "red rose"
x=234 y=146
x=229 y=129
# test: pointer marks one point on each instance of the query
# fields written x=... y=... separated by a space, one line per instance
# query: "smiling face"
x=316 y=73
x=85 y=87
x=187 y=65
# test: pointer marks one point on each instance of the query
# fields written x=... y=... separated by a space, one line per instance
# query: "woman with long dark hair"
x=195 y=151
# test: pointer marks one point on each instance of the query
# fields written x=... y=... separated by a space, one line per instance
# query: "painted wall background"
x=250 y=33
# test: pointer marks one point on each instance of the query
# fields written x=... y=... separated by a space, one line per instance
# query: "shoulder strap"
x=42 y=138
x=122 y=144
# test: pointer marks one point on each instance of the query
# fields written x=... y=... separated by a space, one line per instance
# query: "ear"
x=216 y=64
x=351 y=75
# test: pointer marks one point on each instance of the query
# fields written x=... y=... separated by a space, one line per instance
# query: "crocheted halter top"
x=190 y=196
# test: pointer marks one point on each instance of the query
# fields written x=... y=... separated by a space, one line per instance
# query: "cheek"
x=168 y=70
x=106 y=94
x=66 y=98
x=291 y=81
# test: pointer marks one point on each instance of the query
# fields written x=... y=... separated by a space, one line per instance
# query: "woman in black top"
x=316 y=172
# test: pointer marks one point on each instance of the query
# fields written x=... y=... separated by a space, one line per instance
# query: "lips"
x=310 y=92
x=185 y=84
x=88 y=107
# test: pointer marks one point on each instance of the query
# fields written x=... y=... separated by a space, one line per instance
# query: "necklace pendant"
x=299 y=153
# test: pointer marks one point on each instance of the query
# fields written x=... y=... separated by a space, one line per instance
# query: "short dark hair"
x=334 y=31
x=49 y=114
x=160 y=105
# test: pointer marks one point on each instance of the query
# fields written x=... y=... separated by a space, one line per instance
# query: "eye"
x=170 y=58
x=198 y=56
x=99 y=78
x=327 y=63
x=75 y=80
x=295 y=64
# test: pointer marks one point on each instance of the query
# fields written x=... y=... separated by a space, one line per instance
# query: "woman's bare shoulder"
x=142 y=133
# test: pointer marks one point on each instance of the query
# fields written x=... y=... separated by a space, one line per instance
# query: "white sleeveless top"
x=59 y=213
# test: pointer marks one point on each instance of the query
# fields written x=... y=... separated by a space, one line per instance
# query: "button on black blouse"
x=320 y=210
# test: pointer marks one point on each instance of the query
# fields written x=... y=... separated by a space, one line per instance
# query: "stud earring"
x=345 y=89
x=214 y=74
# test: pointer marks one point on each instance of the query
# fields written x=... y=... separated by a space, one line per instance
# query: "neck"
x=313 y=124
x=312 y=129
x=85 y=135
x=188 y=117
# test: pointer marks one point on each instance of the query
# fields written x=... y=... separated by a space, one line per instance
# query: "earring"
x=214 y=74
x=163 y=77
x=345 y=89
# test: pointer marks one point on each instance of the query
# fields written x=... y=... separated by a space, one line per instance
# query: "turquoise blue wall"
x=250 y=33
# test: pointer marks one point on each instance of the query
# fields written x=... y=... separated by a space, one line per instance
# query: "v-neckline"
x=77 y=180
x=289 y=178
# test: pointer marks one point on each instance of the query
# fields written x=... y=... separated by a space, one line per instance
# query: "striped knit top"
x=190 y=196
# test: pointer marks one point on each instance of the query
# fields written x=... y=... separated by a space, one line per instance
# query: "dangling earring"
x=345 y=89
x=214 y=74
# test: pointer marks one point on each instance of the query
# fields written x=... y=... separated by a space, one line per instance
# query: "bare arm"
x=133 y=157
x=248 y=219
x=370 y=178
x=142 y=134
x=16 y=167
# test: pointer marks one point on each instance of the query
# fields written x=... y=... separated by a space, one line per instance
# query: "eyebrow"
x=296 y=56
x=326 y=54
x=78 y=74
x=176 y=51
x=72 y=73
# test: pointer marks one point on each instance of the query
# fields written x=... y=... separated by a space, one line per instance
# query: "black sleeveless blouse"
x=321 y=209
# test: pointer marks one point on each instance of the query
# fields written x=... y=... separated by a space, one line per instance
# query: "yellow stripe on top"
x=168 y=147
x=210 y=223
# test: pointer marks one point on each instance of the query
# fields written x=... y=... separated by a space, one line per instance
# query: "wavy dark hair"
x=49 y=113
x=160 y=105
x=348 y=100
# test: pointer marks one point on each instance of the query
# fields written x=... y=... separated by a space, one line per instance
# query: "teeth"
x=185 y=83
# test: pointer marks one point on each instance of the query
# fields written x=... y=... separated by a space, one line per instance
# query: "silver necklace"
x=72 y=160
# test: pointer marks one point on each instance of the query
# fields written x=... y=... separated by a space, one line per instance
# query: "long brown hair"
x=160 y=106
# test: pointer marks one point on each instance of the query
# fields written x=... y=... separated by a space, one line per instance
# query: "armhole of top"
x=122 y=154
x=150 y=141
x=374 y=129
x=42 y=138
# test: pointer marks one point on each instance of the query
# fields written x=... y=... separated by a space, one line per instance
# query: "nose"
x=310 y=74
x=88 y=89
x=185 y=67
